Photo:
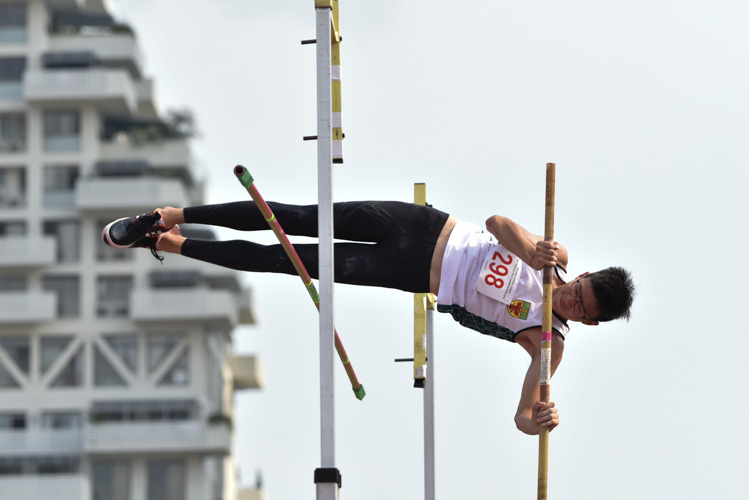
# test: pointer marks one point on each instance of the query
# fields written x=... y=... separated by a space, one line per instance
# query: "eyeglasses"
x=577 y=291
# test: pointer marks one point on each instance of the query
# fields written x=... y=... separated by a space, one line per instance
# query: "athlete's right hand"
x=546 y=255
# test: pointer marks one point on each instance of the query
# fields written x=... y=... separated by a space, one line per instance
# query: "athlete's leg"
x=371 y=221
x=405 y=234
x=355 y=263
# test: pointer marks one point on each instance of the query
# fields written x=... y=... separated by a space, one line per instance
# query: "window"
x=68 y=296
x=13 y=228
x=17 y=348
x=12 y=186
x=113 y=296
x=159 y=347
x=126 y=347
x=145 y=411
x=111 y=480
x=62 y=131
x=6 y=379
x=178 y=374
x=68 y=236
x=11 y=77
x=59 y=185
x=10 y=466
x=166 y=480
x=72 y=374
x=51 y=349
x=12 y=421
x=13 y=283
x=61 y=420
x=39 y=465
x=12 y=133
x=12 y=23
x=105 y=375
x=55 y=465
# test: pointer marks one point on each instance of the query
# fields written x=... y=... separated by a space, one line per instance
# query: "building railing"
x=41 y=442
x=175 y=304
x=27 y=307
x=140 y=193
x=82 y=85
x=114 y=438
x=107 y=47
x=26 y=251
x=173 y=153
x=146 y=95
x=45 y=487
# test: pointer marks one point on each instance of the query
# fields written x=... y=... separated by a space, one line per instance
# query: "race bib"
x=498 y=278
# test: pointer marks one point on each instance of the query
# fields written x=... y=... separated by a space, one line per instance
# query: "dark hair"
x=614 y=292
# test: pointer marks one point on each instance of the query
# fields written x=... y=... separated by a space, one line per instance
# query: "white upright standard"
x=429 y=463
x=327 y=477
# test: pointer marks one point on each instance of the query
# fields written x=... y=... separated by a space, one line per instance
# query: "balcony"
x=130 y=193
x=245 y=305
x=136 y=438
x=146 y=92
x=27 y=307
x=112 y=49
x=112 y=89
x=41 y=442
x=214 y=307
x=251 y=494
x=44 y=487
x=27 y=251
x=248 y=372
x=167 y=154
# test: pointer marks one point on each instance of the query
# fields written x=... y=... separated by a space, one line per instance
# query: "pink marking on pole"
x=545 y=336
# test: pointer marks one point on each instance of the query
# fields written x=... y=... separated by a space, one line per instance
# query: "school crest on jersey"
x=519 y=309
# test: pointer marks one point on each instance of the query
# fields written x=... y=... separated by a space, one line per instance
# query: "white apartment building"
x=116 y=372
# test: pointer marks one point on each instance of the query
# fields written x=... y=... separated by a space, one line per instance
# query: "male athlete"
x=490 y=281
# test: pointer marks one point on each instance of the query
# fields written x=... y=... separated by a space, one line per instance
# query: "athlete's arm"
x=531 y=248
x=531 y=412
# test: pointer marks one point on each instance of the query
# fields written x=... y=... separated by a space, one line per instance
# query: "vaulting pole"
x=543 y=433
x=248 y=182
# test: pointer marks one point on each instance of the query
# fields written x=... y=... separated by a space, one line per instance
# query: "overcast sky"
x=641 y=104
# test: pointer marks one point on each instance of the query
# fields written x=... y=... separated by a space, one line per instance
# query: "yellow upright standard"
x=420 y=312
x=546 y=335
x=335 y=77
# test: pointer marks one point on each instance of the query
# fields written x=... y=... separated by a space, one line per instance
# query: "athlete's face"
x=575 y=301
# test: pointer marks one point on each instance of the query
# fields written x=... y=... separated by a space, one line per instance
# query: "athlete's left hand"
x=546 y=414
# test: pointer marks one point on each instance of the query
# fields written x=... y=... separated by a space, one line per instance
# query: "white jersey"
x=462 y=294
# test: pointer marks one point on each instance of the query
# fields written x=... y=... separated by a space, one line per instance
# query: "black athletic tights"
x=395 y=241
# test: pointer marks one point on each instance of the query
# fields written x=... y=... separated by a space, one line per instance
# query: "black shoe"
x=124 y=233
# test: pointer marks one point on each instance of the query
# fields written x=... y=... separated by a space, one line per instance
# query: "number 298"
x=498 y=269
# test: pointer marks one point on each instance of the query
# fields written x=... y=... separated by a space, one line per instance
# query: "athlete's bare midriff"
x=439 y=252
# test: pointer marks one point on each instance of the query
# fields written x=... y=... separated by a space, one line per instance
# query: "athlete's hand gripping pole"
x=248 y=182
x=543 y=432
